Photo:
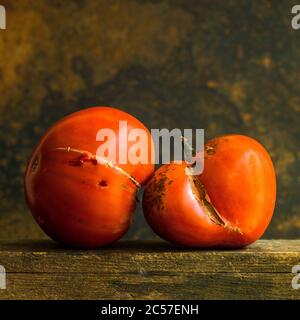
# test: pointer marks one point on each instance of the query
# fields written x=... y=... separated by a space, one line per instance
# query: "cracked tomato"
x=76 y=197
x=229 y=205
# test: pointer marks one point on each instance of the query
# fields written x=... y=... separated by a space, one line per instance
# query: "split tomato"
x=75 y=197
x=229 y=205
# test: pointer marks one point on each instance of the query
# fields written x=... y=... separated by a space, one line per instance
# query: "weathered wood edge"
x=264 y=256
x=149 y=270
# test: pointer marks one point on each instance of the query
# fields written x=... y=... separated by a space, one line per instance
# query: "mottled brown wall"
x=226 y=66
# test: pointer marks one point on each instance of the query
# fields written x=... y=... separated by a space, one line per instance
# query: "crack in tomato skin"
x=200 y=194
x=81 y=160
x=180 y=223
x=86 y=156
x=157 y=189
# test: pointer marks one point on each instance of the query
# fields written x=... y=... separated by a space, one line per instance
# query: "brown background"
x=226 y=66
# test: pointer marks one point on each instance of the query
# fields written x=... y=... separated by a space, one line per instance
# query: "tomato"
x=75 y=198
x=229 y=205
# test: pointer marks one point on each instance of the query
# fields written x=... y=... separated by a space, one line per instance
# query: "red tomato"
x=229 y=205
x=76 y=199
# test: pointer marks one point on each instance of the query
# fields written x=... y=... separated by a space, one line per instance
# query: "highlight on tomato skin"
x=229 y=205
x=75 y=199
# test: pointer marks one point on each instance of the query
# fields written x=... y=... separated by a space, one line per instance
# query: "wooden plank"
x=161 y=286
x=149 y=270
x=126 y=256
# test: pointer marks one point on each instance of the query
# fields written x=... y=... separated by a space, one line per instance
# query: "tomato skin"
x=240 y=183
x=74 y=199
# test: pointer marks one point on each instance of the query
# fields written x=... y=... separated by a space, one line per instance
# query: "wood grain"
x=149 y=270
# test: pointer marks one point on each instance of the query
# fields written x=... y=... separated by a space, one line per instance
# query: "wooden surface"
x=149 y=270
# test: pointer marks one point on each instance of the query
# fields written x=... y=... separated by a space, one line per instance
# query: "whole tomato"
x=229 y=205
x=76 y=197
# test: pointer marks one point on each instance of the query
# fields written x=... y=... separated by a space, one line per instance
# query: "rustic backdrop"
x=226 y=66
